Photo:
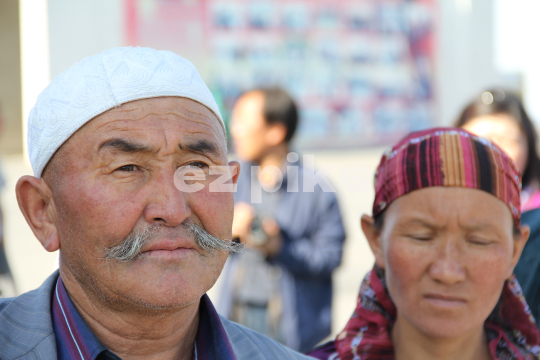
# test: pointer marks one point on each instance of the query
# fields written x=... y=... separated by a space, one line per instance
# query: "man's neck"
x=410 y=344
x=274 y=157
x=136 y=334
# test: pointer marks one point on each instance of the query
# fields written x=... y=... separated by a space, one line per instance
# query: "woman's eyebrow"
x=413 y=220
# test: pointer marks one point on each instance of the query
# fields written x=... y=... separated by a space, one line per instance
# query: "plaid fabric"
x=446 y=157
x=75 y=340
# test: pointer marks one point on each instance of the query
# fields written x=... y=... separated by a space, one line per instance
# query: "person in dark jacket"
x=288 y=216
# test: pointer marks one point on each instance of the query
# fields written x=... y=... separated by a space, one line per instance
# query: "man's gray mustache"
x=131 y=246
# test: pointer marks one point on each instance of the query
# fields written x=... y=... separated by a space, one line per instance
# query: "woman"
x=501 y=117
x=446 y=236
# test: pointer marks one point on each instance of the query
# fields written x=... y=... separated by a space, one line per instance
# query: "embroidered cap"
x=102 y=82
x=446 y=157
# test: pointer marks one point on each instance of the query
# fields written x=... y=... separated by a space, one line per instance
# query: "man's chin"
x=166 y=284
x=165 y=303
x=162 y=294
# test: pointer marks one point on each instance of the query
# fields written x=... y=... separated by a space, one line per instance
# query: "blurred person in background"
x=282 y=285
x=446 y=234
x=501 y=117
x=7 y=285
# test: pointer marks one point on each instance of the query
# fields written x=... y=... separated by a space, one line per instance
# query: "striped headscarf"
x=446 y=157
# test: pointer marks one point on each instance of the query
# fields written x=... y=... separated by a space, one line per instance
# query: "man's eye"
x=128 y=168
x=197 y=164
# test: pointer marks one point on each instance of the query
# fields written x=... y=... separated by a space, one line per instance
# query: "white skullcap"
x=102 y=82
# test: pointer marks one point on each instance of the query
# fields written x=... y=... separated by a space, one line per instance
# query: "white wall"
x=34 y=42
x=466 y=58
x=79 y=29
x=516 y=39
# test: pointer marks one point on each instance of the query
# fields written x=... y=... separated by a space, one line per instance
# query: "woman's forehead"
x=438 y=205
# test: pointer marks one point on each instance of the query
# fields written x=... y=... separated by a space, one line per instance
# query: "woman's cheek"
x=404 y=263
x=490 y=265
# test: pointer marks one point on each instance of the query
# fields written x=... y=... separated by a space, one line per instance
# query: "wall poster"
x=362 y=71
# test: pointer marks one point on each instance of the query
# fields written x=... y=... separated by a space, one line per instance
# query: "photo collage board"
x=362 y=72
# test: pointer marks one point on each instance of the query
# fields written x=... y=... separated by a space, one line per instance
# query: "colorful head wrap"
x=446 y=157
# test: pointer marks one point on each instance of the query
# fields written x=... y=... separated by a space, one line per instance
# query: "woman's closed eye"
x=421 y=237
x=480 y=241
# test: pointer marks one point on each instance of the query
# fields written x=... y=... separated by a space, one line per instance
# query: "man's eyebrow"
x=201 y=147
x=126 y=146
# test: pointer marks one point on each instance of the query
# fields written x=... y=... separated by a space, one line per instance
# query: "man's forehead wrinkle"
x=114 y=127
x=159 y=114
x=200 y=113
x=212 y=118
x=123 y=108
x=209 y=121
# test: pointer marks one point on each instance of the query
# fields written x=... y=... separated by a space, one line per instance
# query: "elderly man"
x=137 y=254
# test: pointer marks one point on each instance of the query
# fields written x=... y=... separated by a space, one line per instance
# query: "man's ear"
x=276 y=134
x=519 y=243
x=35 y=201
x=373 y=238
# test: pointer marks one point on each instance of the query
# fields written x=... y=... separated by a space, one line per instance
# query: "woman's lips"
x=443 y=300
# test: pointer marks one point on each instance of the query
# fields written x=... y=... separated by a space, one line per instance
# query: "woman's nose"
x=448 y=266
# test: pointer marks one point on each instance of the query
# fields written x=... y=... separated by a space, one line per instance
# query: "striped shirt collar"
x=75 y=340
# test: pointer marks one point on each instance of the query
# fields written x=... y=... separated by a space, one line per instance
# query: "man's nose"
x=166 y=204
x=448 y=267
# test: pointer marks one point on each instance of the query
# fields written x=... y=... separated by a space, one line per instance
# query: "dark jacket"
x=527 y=270
x=313 y=236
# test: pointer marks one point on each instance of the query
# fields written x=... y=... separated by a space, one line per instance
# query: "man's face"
x=116 y=176
x=249 y=128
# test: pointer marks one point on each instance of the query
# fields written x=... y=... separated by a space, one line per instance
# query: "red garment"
x=510 y=329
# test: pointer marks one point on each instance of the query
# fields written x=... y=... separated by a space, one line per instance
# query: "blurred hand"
x=275 y=241
x=243 y=216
